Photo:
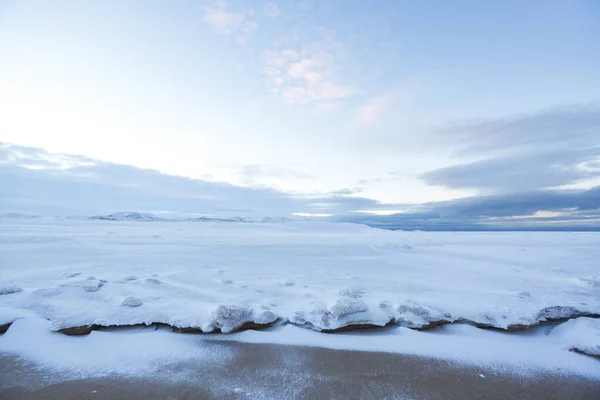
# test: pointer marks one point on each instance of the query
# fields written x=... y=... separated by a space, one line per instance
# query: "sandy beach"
x=263 y=371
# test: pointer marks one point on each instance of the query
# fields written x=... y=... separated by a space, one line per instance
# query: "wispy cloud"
x=38 y=182
x=231 y=23
x=35 y=181
x=540 y=151
x=562 y=209
x=272 y=10
x=304 y=74
x=375 y=110
x=268 y=175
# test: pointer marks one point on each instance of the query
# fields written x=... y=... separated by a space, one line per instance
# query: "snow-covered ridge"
x=127 y=216
x=322 y=276
x=15 y=215
x=144 y=216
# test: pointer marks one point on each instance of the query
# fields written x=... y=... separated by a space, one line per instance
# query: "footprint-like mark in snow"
x=71 y=274
x=132 y=302
x=9 y=290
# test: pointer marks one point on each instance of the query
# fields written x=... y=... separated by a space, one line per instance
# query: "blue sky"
x=383 y=105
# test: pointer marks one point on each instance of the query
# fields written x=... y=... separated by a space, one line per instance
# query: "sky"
x=450 y=109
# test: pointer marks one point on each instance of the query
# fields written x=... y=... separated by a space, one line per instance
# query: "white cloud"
x=272 y=10
x=230 y=23
x=305 y=75
x=375 y=110
x=37 y=182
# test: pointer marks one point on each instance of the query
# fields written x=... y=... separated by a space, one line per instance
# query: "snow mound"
x=580 y=334
x=346 y=306
x=417 y=316
x=230 y=318
x=128 y=216
x=132 y=302
x=557 y=313
x=9 y=290
x=152 y=281
x=344 y=313
x=265 y=317
x=93 y=286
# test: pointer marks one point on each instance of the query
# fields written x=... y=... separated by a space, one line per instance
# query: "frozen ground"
x=320 y=276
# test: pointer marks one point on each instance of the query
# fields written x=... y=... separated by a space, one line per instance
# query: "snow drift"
x=215 y=277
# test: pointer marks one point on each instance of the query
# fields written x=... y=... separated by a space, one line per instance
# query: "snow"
x=132 y=302
x=9 y=290
x=18 y=215
x=515 y=353
x=141 y=352
x=93 y=286
x=321 y=276
x=346 y=306
x=128 y=216
x=580 y=334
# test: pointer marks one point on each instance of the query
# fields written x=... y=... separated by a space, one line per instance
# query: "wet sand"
x=291 y=372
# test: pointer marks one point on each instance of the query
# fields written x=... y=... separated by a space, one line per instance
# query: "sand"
x=264 y=371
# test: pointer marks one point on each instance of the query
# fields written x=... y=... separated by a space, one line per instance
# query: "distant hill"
x=215 y=219
x=128 y=216
x=18 y=215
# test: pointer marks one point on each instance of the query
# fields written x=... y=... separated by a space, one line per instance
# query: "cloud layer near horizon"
x=35 y=181
x=38 y=182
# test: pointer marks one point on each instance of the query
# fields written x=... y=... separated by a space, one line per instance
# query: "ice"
x=580 y=334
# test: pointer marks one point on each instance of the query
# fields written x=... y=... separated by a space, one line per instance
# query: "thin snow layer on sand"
x=322 y=276
x=580 y=334
x=518 y=353
x=149 y=352
x=139 y=352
